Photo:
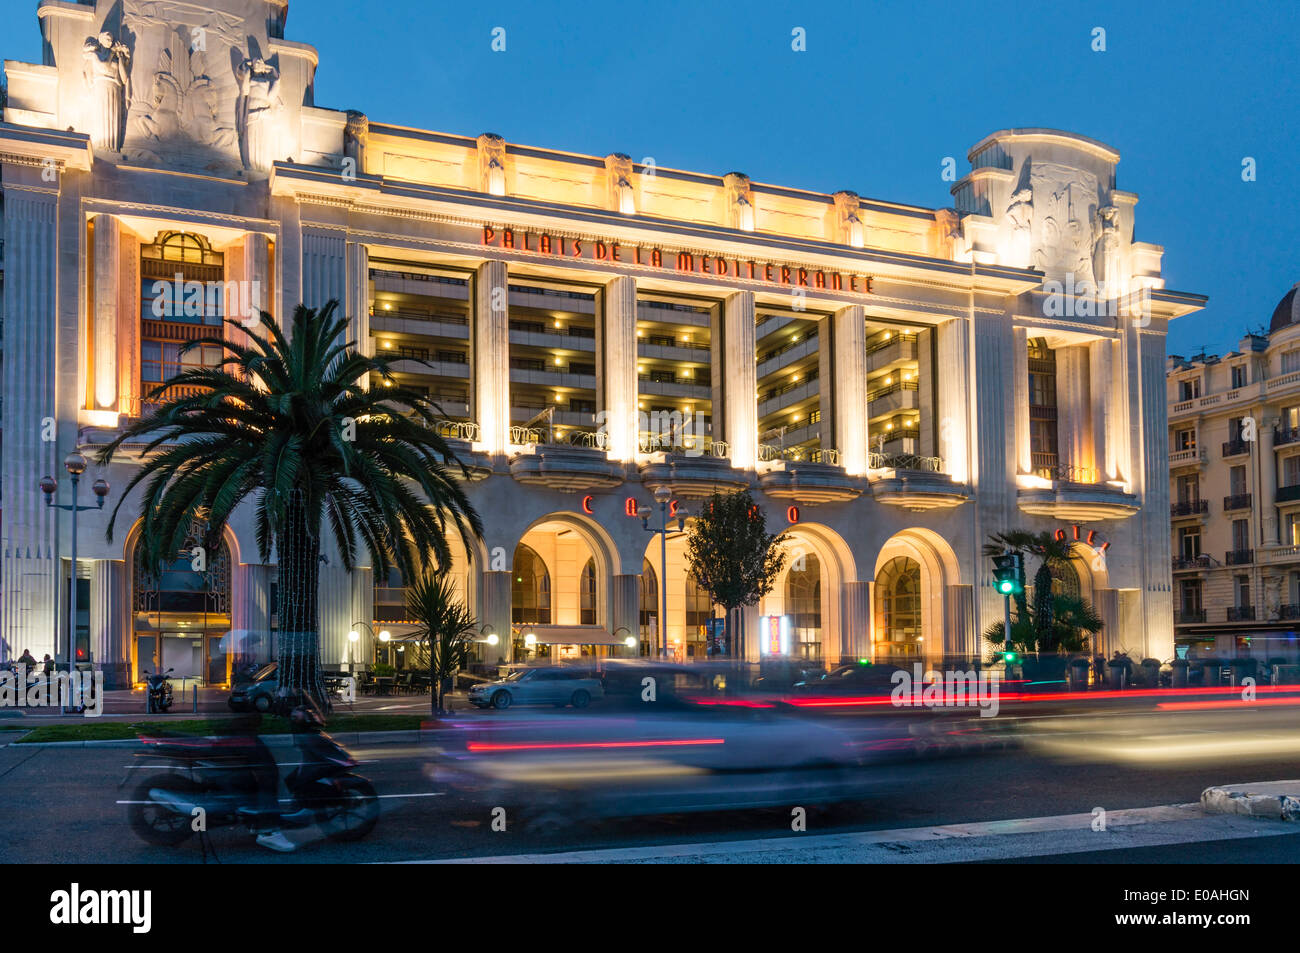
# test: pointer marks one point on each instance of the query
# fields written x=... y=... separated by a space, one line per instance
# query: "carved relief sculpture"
x=618 y=173
x=1019 y=219
x=107 y=71
x=1064 y=214
x=1107 y=251
x=354 y=140
x=740 y=201
x=492 y=164
x=258 y=111
x=850 y=230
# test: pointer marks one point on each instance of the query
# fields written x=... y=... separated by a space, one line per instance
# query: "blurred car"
x=549 y=685
x=257 y=693
x=851 y=679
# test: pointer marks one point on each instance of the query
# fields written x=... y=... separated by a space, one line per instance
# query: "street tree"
x=733 y=557
x=318 y=438
x=445 y=625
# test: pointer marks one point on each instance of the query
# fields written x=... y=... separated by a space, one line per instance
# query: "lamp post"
x=75 y=464
x=355 y=636
x=662 y=496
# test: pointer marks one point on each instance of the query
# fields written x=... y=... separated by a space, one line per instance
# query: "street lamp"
x=662 y=496
x=355 y=636
x=75 y=464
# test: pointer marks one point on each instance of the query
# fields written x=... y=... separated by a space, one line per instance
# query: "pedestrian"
x=28 y=659
x=47 y=665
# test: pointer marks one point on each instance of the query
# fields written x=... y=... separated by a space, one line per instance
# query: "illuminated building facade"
x=892 y=382
x=1234 y=474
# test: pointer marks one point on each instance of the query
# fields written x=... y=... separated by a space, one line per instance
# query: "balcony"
x=1280 y=554
x=1235 y=447
x=1189 y=616
x=913 y=482
x=461 y=435
x=1189 y=508
x=1290 y=610
x=1239 y=501
x=1239 y=557
x=689 y=472
x=1285 y=435
x=1074 y=494
x=1192 y=456
x=806 y=475
x=1241 y=613
x=575 y=463
x=897 y=349
x=1183 y=563
x=893 y=398
x=1287 y=494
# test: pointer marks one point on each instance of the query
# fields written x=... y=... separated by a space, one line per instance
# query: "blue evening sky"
x=1185 y=90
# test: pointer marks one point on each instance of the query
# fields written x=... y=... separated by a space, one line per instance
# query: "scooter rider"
x=265 y=774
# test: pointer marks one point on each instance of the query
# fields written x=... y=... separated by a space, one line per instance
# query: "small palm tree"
x=289 y=424
x=1074 y=621
x=1050 y=552
x=445 y=624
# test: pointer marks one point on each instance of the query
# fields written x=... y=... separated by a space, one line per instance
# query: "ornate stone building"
x=1234 y=473
x=893 y=382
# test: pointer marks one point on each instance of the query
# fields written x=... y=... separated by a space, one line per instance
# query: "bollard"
x=196 y=698
x=1078 y=674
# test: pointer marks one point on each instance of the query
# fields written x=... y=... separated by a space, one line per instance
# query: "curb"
x=1280 y=799
x=272 y=741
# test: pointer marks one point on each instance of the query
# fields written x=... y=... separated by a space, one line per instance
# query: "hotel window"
x=1292 y=530
x=1189 y=489
x=1189 y=542
x=898 y=609
x=1042 y=409
x=1191 y=596
x=1290 y=361
x=788 y=357
x=1238 y=376
x=182 y=291
x=1185 y=439
x=163 y=360
x=390 y=598
x=1188 y=389
x=674 y=370
x=1237 y=481
x=1240 y=535
x=803 y=603
x=419 y=313
x=587 y=594
x=1242 y=587
x=1290 y=418
x=1291 y=471
x=530 y=589
x=699 y=610
x=900 y=394
x=648 y=607
x=553 y=362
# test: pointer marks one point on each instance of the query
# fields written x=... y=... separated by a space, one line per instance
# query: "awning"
x=571 y=634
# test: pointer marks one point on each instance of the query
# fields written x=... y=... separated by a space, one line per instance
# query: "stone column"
x=358 y=300
x=104 y=374
x=324 y=273
x=491 y=348
x=848 y=386
x=1269 y=527
x=128 y=321
x=625 y=606
x=1101 y=392
x=1110 y=639
x=1020 y=380
x=618 y=347
x=952 y=385
x=960 y=640
x=1074 y=411
x=110 y=623
x=27 y=525
x=494 y=611
x=741 y=384
x=855 y=621
x=250 y=610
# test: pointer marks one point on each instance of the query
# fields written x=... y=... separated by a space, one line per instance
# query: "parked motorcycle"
x=234 y=781
x=160 y=691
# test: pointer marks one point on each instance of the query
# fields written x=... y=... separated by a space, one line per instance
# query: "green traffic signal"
x=1011 y=658
x=1006 y=587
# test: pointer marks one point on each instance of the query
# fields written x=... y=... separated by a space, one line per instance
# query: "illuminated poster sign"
x=682 y=262
x=774 y=635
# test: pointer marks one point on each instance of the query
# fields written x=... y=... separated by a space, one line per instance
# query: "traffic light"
x=1009 y=574
x=1011 y=658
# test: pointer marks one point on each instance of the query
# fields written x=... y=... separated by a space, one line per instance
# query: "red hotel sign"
x=541 y=243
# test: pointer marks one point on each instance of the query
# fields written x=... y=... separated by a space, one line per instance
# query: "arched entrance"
x=803 y=604
x=817 y=590
x=917 y=612
x=897 y=612
x=180 y=614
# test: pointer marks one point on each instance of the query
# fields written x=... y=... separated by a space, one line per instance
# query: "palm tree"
x=446 y=624
x=1074 y=620
x=1050 y=552
x=290 y=424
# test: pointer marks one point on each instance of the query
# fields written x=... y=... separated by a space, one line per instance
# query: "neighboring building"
x=1234 y=476
x=893 y=382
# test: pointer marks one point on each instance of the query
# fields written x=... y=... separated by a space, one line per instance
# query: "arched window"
x=587 y=594
x=647 y=607
x=1065 y=579
x=803 y=603
x=182 y=614
x=898 y=609
x=699 y=610
x=530 y=589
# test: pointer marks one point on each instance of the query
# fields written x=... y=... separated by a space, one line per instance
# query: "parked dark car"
x=258 y=693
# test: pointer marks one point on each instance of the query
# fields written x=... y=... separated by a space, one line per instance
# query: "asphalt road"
x=64 y=804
